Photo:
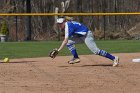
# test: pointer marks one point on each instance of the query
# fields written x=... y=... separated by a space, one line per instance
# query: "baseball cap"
x=60 y=20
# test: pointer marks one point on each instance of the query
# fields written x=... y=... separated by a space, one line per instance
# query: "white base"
x=136 y=60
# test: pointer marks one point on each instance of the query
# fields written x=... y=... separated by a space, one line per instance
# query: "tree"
x=28 y=21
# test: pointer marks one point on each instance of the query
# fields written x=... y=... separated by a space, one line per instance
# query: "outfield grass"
x=41 y=49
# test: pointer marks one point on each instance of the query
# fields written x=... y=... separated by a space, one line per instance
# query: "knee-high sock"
x=106 y=54
x=73 y=50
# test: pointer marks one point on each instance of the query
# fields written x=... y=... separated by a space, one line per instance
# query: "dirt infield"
x=94 y=74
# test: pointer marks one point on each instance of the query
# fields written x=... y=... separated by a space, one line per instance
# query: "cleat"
x=74 y=60
x=116 y=61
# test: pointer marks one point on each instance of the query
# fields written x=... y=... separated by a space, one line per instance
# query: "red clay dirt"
x=94 y=74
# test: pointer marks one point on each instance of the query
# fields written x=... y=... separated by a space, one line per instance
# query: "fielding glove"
x=53 y=53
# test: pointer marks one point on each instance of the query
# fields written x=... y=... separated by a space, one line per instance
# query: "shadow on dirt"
x=103 y=65
x=97 y=65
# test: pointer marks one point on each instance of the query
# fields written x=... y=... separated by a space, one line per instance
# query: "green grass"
x=41 y=49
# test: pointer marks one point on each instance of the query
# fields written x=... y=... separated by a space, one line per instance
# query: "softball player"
x=76 y=32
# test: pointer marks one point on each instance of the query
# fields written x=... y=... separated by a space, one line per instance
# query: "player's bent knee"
x=70 y=47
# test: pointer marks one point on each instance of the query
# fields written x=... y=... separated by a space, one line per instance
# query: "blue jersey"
x=72 y=28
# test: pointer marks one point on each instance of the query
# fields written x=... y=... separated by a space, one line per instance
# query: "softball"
x=6 y=60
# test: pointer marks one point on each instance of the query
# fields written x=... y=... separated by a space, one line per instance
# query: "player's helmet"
x=60 y=20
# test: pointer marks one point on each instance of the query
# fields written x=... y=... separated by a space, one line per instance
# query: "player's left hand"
x=53 y=53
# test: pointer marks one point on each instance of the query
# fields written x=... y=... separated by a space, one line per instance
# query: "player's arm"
x=65 y=41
